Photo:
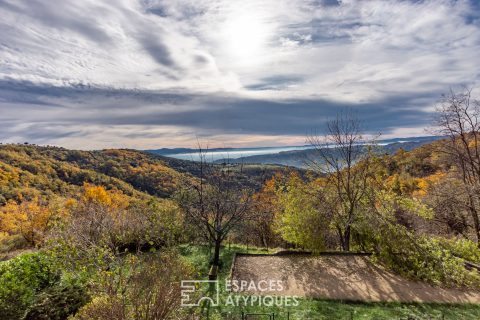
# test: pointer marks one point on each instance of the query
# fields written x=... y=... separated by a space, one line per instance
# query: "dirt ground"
x=341 y=277
x=4 y=256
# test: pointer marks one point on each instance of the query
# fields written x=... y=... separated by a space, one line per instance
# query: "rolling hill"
x=27 y=171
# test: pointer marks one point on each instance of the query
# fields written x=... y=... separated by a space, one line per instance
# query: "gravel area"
x=340 y=277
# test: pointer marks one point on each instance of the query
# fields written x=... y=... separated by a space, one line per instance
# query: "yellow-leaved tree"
x=302 y=220
x=30 y=219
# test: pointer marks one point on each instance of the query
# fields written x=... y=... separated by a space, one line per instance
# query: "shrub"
x=21 y=279
x=57 y=303
x=9 y=243
x=146 y=288
x=423 y=258
x=417 y=256
x=462 y=248
x=103 y=308
x=112 y=220
x=31 y=287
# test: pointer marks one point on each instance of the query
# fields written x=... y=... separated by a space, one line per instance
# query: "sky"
x=91 y=74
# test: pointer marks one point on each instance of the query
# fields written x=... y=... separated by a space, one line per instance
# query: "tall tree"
x=265 y=205
x=302 y=219
x=458 y=118
x=215 y=202
x=346 y=161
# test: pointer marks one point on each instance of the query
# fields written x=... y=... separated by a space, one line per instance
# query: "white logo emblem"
x=195 y=291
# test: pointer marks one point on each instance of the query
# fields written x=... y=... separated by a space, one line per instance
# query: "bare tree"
x=451 y=208
x=215 y=202
x=345 y=160
x=458 y=119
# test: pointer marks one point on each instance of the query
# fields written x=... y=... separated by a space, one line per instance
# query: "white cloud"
x=364 y=52
x=100 y=43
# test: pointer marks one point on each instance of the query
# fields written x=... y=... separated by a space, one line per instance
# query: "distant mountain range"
x=295 y=156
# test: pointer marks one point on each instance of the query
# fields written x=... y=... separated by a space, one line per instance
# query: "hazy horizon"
x=213 y=154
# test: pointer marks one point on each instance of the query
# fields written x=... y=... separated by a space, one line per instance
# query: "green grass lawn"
x=199 y=257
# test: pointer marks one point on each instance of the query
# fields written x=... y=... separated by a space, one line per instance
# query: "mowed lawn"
x=314 y=308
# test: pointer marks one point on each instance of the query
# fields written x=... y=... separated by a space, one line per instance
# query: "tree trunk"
x=346 y=239
x=264 y=241
x=340 y=237
x=216 y=255
x=476 y=222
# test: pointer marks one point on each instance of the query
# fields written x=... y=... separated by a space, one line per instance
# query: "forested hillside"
x=27 y=171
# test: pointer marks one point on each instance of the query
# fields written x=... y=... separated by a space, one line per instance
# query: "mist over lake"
x=235 y=153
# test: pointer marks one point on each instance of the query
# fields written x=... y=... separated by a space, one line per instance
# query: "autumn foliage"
x=30 y=219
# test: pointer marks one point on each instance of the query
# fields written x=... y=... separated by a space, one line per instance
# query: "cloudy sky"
x=163 y=73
